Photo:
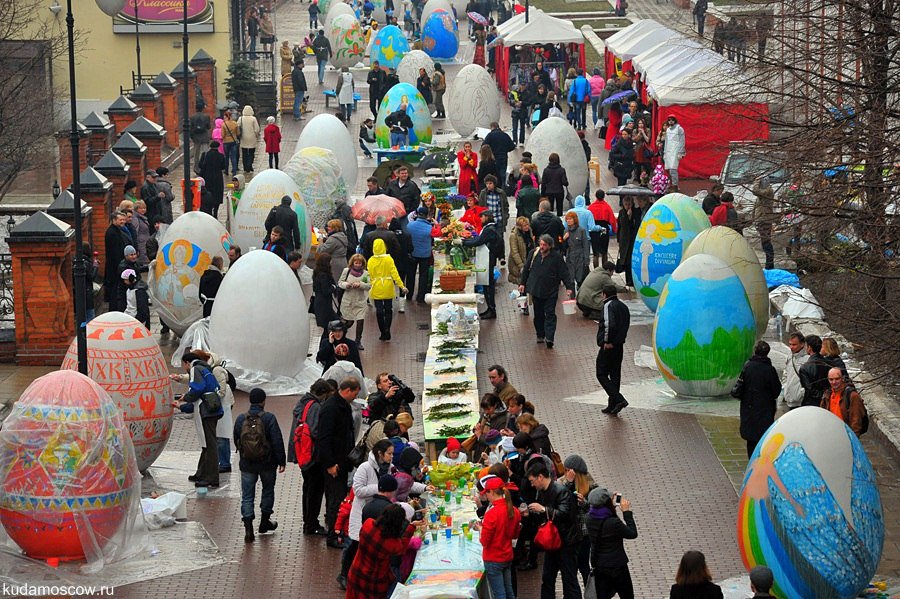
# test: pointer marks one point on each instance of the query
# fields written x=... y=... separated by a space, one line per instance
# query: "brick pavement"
x=680 y=470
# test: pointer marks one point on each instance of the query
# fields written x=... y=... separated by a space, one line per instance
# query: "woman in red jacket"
x=379 y=541
x=499 y=527
x=472 y=215
x=468 y=170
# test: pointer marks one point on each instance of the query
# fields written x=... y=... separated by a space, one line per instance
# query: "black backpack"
x=733 y=220
x=255 y=444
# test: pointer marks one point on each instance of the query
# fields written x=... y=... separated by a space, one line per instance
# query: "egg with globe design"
x=704 y=329
x=430 y=7
x=810 y=509
x=416 y=108
x=440 y=35
x=389 y=47
x=666 y=231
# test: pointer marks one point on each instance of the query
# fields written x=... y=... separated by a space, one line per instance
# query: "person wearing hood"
x=217 y=134
x=409 y=474
x=248 y=128
x=211 y=168
x=578 y=248
x=272 y=137
x=585 y=217
x=284 y=216
x=539 y=433
x=607 y=533
x=365 y=487
x=554 y=182
x=210 y=283
x=725 y=214
x=385 y=279
x=759 y=391
x=313 y=490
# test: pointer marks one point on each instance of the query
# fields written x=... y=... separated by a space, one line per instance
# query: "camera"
x=404 y=394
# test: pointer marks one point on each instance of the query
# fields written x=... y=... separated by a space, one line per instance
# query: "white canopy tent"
x=541 y=28
x=675 y=48
x=640 y=27
x=721 y=83
x=675 y=70
x=630 y=46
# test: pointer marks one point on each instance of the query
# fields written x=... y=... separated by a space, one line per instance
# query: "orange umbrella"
x=370 y=208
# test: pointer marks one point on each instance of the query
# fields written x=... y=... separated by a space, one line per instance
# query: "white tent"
x=634 y=29
x=541 y=28
x=664 y=51
x=664 y=72
x=630 y=46
x=716 y=83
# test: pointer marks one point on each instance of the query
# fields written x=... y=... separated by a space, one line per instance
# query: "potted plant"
x=443 y=157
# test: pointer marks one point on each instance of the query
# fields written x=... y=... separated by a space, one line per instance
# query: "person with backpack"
x=301 y=451
x=322 y=49
x=257 y=437
x=845 y=402
x=491 y=238
x=203 y=389
x=725 y=214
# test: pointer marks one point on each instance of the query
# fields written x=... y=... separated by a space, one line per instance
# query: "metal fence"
x=263 y=62
x=7 y=312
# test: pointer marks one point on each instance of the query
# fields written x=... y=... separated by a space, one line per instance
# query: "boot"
x=595 y=260
x=248 y=530
x=265 y=525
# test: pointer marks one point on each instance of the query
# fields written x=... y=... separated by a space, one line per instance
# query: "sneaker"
x=540 y=339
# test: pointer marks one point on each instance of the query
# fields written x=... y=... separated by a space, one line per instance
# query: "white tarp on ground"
x=798 y=303
x=629 y=46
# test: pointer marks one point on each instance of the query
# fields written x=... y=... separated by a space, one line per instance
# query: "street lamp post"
x=186 y=125
x=137 y=41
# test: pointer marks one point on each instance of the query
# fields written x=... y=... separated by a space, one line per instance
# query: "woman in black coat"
x=554 y=182
x=211 y=167
x=607 y=533
x=323 y=293
x=423 y=84
x=629 y=222
x=622 y=157
x=759 y=394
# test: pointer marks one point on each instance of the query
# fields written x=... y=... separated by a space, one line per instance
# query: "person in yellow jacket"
x=384 y=279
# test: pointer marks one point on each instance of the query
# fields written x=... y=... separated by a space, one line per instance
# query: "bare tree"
x=28 y=44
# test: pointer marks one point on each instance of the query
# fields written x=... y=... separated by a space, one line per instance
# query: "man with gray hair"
x=384 y=233
x=761 y=582
x=545 y=222
x=541 y=275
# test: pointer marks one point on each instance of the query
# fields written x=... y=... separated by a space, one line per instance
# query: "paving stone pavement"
x=681 y=470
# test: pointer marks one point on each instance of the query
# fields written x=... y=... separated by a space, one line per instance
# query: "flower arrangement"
x=456 y=230
x=457 y=201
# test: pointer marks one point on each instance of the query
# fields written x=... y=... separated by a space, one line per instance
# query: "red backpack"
x=303 y=440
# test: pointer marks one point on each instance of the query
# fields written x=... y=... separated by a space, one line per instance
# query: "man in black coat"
x=210 y=283
x=399 y=123
x=284 y=216
x=213 y=165
x=544 y=270
x=759 y=393
x=405 y=189
x=391 y=243
x=298 y=84
x=117 y=237
x=558 y=504
x=337 y=346
x=814 y=374
x=547 y=223
x=376 y=80
x=501 y=145
x=622 y=158
x=491 y=238
x=611 y=340
x=334 y=443
x=152 y=195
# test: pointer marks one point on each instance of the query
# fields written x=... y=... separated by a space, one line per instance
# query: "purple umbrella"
x=618 y=96
x=477 y=18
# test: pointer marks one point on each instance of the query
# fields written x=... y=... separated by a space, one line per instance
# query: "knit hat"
x=522 y=441
x=492 y=437
x=409 y=459
x=387 y=483
x=453 y=444
x=576 y=462
x=130 y=251
x=598 y=497
x=257 y=395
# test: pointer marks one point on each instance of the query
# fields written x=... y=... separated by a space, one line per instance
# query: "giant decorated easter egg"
x=704 y=329
x=810 y=509
x=185 y=252
x=416 y=108
x=317 y=173
x=124 y=358
x=389 y=47
x=259 y=322
x=67 y=468
x=666 y=231
x=325 y=6
x=431 y=6
x=263 y=193
x=730 y=246
x=327 y=131
x=348 y=45
x=474 y=101
x=338 y=8
x=440 y=35
x=551 y=135
x=408 y=71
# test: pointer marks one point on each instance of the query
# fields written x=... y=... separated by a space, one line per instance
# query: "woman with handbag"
x=629 y=221
x=324 y=286
x=580 y=482
x=607 y=532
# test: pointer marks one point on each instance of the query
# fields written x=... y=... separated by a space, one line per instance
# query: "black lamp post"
x=55 y=190
x=10 y=225
x=185 y=125
x=137 y=41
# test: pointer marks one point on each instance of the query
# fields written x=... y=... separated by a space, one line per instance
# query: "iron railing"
x=263 y=62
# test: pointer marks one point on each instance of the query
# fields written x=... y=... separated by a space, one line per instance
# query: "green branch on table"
x=449 y=414
x=450 y=370
x=445 y=389
x=454 y=431
x=442 y=328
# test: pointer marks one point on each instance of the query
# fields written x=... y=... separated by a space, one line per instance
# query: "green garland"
x=443 y=328
x=450 y=370
x=448 y=414
x=452 y=345
x=454 y=431
x=449 y=389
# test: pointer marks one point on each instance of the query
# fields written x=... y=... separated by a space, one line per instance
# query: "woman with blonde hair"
x=539 y=433
x=580 y=482
x=354 y=282
x=336 y=245
x=521 y=246
x=832 y=355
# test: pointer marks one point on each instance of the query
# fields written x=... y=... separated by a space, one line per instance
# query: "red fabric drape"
x=609 y=61
x=708 y=129
x=627 y=66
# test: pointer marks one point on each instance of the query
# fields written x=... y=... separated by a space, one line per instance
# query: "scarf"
x=384 y=468
x=600 y=512
x=357 y=273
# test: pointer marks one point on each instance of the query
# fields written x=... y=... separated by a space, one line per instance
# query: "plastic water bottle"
x=779 y=326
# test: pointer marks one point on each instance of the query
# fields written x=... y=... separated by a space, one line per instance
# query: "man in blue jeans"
x=298 y=83
x=257 y=437
x=579 y=96
x=399 y=124
x=322 y=48
x=419 y=228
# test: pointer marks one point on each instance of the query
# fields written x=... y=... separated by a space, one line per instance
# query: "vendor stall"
x=520 y=44
x=631 y=41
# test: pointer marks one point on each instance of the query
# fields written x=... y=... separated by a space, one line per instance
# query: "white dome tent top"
x=686 y=63
x=629 y=46
x=541 y=28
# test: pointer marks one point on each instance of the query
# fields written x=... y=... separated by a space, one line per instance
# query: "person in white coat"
x=248 y=127
x=674 y=149
x=365 y=487
x=344 y=91
x=792 y=389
